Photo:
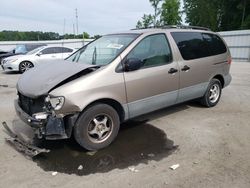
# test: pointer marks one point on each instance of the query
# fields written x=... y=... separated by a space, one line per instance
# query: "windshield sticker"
x=115 y=46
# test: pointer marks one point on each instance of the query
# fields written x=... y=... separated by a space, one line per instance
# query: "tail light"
x=229 y=61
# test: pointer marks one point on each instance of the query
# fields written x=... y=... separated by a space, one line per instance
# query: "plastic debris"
x=174 y=167
x=54 y=173
x=4 y=85
x=91 y=153
x=132 y=169
x=151 y=155
x=80 y=167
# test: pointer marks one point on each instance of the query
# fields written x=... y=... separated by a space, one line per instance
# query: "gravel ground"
x=212 y=147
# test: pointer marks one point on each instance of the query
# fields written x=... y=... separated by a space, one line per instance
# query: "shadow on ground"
x=11 y=72
x=137 y=142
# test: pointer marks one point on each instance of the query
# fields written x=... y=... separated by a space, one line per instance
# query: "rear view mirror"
x=132 y=64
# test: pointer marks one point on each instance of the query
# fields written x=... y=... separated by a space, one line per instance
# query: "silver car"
x=121 y=76
x=24 y=62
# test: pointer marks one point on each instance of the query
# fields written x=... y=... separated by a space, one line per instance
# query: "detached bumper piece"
x=21 y=145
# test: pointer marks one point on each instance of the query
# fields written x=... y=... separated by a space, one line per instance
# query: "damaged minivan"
x=121 y=76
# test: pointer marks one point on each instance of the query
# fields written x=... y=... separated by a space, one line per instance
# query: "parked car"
x=2 y=52
x=22 y=63
x=119 y=77
x=20 y=49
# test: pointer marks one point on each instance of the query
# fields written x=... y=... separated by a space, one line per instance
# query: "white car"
x=22 y=63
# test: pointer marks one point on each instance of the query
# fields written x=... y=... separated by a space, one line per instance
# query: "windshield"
x=20 y=49
x=103 y=50
x=35 y=50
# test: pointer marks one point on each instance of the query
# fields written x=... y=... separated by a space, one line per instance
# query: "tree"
x=164 y=13
x=147 y=21
x=218 y=15
x=170 y=14
x=157 y=10
x=203 y=13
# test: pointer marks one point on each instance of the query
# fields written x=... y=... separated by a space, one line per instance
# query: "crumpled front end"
x=40 y=114
x=36 y=107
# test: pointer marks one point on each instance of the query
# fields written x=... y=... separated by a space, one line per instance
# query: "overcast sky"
x=95 y=16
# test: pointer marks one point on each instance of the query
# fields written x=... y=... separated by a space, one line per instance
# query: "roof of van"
x=166 y=28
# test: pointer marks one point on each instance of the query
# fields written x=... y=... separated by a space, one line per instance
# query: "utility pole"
x=74 y=31
x=64 y=23
x=76 y=21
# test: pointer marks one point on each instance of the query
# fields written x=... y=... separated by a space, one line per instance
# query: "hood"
x=41 y=79
x=13 y=57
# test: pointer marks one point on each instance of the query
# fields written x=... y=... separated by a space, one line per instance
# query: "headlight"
x=56 y=102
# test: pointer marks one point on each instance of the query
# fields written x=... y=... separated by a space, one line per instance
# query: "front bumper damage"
x=48 y=125
x=21 y=145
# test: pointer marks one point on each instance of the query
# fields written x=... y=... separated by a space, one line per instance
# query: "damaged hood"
x=45 y=76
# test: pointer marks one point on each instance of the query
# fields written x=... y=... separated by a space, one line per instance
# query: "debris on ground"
x=80 y=167
x=54 y=173
x=133 y=169
x=21 y=145
x=151 y=155
x=174 y=167
x=91 y=153
x=4 y=85
x=195 y=162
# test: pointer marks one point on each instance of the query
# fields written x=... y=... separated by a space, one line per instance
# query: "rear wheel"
x=24 y=66
x=213 y=93
x=97 y=127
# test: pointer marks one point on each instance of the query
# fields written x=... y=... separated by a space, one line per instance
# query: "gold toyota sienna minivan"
x=121 y=76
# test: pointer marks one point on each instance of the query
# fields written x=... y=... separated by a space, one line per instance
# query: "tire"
x=97 y=127
x=213 y=94
x=24 y=66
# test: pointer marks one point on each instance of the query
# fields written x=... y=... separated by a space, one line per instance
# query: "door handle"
x=172 y=71
x=185 y=68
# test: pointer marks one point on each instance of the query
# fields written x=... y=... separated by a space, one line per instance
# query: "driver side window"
x=153 y=50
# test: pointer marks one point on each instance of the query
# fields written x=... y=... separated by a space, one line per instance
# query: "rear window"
x=194 y=45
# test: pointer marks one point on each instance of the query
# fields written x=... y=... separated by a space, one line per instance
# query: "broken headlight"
x=55 y=102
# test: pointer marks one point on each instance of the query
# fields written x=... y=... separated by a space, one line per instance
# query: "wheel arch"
x=25 y=61
x=113 y=103
x=221 y=79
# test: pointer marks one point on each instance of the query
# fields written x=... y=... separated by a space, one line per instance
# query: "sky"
x=94 y=16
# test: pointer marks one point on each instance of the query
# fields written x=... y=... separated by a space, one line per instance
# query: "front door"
x=155 y=85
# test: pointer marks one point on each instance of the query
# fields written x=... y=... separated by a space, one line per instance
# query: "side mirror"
x=132 y=64
x=39 y=54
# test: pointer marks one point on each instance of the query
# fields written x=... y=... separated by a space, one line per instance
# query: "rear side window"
x=153 y=50
x=48 y=51
x=214 y=43
x=194 y=45
x=66 y=50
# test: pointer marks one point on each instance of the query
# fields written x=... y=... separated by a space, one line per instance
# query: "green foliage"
x=157 y=10
x=170 y=14
x=147 y=21
x=218 y=15
x=86 y=35
x=37 y=35
x=166 y=12
x=96 y=37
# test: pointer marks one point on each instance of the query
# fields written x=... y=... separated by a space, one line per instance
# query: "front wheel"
x=213 y=93
x=24 y=66
x=97 y=127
